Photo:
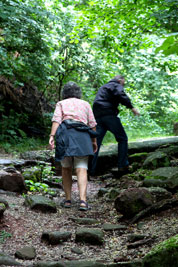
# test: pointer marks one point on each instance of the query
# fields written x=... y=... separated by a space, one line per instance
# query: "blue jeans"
x=113 y=124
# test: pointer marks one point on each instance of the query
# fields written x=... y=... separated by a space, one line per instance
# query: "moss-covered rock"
x=33 y=173
x=138 y=157
x=156 y=159
x=164 y=173
x=92 y=236
x=163 y=255
x=40 y=203
x=2 y=209
x=131 y=201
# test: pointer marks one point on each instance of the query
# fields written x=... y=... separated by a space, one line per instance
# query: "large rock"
x=73 y=263
x=40 y=203
x=92 y=236
x=2 y=209
x=113 y=227
x=26 y=253
x=6 y=260
x=166 y=177
x=42 y=155
x=156 y=159
x=108 y=154
x=163 y=255
x=12 y=181
x=33 y=173
x=138 y=157
x=160 y=193
x=17 y=163
x=55 y=237
x=133 y=200
x=165 y=173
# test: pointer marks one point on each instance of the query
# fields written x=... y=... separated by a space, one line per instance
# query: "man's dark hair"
x=71 y=89
x=119 y=77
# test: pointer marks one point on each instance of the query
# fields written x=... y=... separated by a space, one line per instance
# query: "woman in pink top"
x=73 y=124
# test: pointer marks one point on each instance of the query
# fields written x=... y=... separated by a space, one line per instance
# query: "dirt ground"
x=26 y=227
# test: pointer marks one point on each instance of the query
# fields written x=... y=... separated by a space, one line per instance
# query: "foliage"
x=22 y=145
x=25 y=44
x=48 y=172
x=36 y=186
x=170 y=45
x=171 y=242
x=47 y=43
x=4 y=235
x=10 y=126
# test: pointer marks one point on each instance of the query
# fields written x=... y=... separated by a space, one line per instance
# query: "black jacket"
x=109 y=96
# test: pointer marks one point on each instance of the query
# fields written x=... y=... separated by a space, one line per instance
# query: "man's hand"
x=95 y=147
x=135 y=112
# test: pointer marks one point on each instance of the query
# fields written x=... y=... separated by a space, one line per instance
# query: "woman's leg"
x=81 y=167
x=67 y=181
x=82 y=183
x=67 y=176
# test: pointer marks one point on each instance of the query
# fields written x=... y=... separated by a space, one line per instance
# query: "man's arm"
x=122 y=96
x=94 y=143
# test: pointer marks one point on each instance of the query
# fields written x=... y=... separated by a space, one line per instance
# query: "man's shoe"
x=120 y=171
x=123 y=171
x=92 y=178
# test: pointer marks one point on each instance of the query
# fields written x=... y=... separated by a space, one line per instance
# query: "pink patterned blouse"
x=75 y=109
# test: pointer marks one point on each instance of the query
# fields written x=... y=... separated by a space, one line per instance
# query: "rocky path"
x=26 y=228
x=102 y=236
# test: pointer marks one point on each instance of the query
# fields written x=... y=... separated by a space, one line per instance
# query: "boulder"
x=12 y=181
x=165 y=173
x=156 y=159
x=92 y=236
x=40 y=203
x=55 y=237
x=17 y=163
x=113 y=193
x=2 y=209
x=166 y=177
x=154 y=183
x=159 y=193
x=26 y=253
x=131 y=201
x=6 y=260
x=171 y=150
x=164 y=254
x=76 y=250
x=33 y=173
x=138 y=157
x=113 y=227
x=49 y=264
x=41 y=155
x=73 y=263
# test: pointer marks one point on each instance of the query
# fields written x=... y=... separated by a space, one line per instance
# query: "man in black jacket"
x=105 y=108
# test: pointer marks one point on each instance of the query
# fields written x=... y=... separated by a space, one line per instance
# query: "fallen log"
x=108 y=155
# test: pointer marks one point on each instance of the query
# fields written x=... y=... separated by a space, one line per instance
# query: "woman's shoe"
x=66 y=204
x=84 y=207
